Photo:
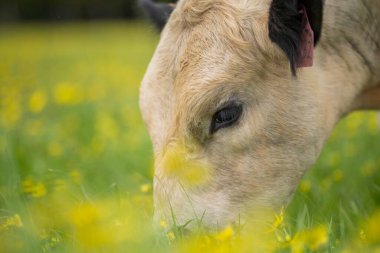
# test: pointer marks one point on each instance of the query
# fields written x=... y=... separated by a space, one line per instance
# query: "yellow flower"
x=85 y=215
x=363 y=236
x=27 y=185
x=279 y=219
x=39 y=190
x=97 y=236
x=145 y=188
x=177 y=162
x=50 y=240
x=313 y=239
x=13 y=221
x=37 y=101
x=67 y=94
x=371 y=228
x=305 y=186
x=163 y=224
x=317 y=237
x=285 y=237
x=36 y=190
x=225 y=234
x=170 y=236
x=104 y=224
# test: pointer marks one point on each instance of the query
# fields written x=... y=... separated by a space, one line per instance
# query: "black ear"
x=158 y=12
x=287 y=24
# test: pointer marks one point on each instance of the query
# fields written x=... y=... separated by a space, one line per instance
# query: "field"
x=76 y=160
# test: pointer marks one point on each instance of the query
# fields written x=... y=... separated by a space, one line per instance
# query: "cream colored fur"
x=212 y=51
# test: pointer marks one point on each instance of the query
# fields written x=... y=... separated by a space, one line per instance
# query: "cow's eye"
x=226 y=117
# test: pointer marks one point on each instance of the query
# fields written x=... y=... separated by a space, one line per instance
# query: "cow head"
x=233 y=127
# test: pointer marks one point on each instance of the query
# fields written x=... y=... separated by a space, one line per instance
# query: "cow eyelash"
x=226 y=117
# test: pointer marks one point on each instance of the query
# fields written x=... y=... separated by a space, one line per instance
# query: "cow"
x=241 y=95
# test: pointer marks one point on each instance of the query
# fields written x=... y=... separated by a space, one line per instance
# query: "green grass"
x=76 y=160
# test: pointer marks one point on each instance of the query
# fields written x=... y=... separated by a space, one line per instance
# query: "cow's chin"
x=211 y=211
x=208 y=210
x=215 y=221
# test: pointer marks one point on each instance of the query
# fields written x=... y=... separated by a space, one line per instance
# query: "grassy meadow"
x=76 y=160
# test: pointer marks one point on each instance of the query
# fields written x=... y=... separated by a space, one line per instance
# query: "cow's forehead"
x=211 y=40
x=214 y=50
x=208 y=72
x=192 y=12
x=200 y=64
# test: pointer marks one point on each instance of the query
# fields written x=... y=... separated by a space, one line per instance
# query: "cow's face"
x=232 y=130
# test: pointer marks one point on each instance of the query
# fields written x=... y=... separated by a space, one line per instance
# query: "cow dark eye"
x=226 y=117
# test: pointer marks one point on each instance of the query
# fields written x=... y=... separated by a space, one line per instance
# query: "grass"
x=76 y=160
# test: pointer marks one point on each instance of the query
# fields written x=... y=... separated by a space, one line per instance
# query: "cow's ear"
x=295 y=26
x=158 y=13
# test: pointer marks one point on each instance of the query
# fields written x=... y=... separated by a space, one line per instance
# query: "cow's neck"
x=349 y=55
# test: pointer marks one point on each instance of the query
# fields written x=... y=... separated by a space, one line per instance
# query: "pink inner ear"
x=306 y=49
